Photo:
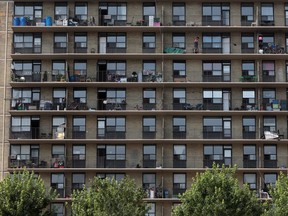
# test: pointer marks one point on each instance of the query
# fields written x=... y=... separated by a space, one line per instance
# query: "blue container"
x=44 y=21
x=16 y=21
x=23 y=21
x=48 y=21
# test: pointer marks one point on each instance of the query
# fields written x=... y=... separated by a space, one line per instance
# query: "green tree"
x=217 y=192
x=109 y=197
x=278 y=206
x=23 y=194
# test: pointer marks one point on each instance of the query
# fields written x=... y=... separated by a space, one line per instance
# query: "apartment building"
x=114 y=88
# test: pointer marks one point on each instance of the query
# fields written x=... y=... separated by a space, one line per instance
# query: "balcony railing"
x=126 y=161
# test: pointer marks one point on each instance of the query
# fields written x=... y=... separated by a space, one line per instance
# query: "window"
x=216 y=71
x=250 y=179
x=60 y=43
x=79 y=127
x=248 y=99
x=179 y=184
x=249 y=156
x=267 y=14
x=31 y=10
x=149 y=181
x=247 y=14
x=212 y=99
x=30 y=70
x=149 y=9
x=220 y=154
x=287 y=69
x=80 y=70
x=178 y=14
x=268 y=69
x=116 y=70
x=149 y=127
x=59 y=98
x=80 y=96
x=179 y=127
x=27 y=43
x=179 y=156
x=269 y=123
x=214 y=42
x=78 y=181
x=216 y=14
x=23 y=98
x=111 y=156
x=111 y=127
x=58 y=183
x=286 y=14
x=149 y=99
x=24 y=155
x=270 y=156
x=58 y=69
x=58 y=209
x=61 y=11
x=178 y=40
x=149 y=69
x=115 y=99
x=249 y=127
x=149 y=156
x=115 y=41
x=116 y=176
x=81 y=12
x=21 y=123
x=247 y=43
x=248 y=71
x=269 y=180
x=149 y=41
x=116 y=12
x=268 y=96
x=217 y=128
x=58 y=126
x=80 y=42
x=268 y=39
x=179 y=69
x=152 y=209
x=79 y=156
x=58 y=155
x=179 y=98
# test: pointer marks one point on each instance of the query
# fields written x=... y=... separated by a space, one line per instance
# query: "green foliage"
x=217 y=192
x=279 y=203
x=108 y=197
x=23 y=194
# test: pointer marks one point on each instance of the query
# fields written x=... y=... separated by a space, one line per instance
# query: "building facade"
x=114 y=88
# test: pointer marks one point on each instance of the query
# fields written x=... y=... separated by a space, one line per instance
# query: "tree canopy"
x=278 y=206
x=217 y=192
x=24 y=194
x=109 y=197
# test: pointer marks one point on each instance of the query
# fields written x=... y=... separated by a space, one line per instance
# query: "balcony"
x=26 y=47
x=105 y=134
x=149 y=135
x=179 y=161
x=179 y=134
x=214 y=78
x=247 y=163
x=216 y=132
x=149 y=161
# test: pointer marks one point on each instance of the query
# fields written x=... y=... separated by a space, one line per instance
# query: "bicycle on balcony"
x=273 y=49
